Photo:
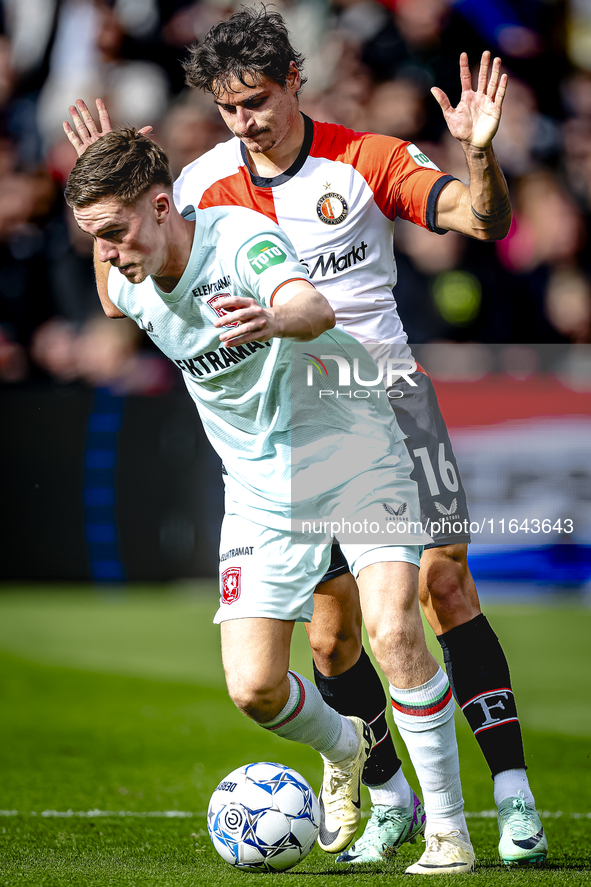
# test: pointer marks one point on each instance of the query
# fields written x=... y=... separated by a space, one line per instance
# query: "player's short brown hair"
x=123 y=164
x=252 y=42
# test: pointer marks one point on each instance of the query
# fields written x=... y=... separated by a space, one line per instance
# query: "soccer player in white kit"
x=183 y=279
x=336 y=193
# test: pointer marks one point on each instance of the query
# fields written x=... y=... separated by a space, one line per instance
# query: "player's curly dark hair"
x=252 y=42
x=123 y=164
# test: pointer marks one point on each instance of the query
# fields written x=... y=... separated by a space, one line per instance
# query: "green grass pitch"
x=114 y=703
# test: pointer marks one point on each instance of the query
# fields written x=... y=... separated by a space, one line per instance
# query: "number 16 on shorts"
x=444 y=511
x=446 y=470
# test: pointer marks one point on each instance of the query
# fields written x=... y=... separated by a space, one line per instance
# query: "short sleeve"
x=267 y=261
x=404 y=181
x=417 y=186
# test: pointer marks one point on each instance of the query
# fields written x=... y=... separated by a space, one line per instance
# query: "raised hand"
x=476 y=119
x=87 y=131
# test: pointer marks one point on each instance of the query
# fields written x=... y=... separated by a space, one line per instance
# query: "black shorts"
x=441 y=494
x=338 y=564
x=444 y=511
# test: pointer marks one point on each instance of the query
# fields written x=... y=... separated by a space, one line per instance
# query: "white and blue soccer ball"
x=263 y=817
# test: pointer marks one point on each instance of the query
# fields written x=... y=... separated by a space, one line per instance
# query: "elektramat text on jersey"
x=220 y=359
x=206 y=289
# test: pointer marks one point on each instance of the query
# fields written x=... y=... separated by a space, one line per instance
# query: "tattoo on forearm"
x=495 y=215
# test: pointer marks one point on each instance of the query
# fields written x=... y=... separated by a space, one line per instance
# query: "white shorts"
x=263 y=573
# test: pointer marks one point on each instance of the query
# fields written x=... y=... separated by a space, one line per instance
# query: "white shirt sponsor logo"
x=420 y=158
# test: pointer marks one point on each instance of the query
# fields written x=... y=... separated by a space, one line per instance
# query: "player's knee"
x=446 y=581
x=335 y=652
x=335 y=631
x=259 y=701
x=389 y=641
x=325 y=647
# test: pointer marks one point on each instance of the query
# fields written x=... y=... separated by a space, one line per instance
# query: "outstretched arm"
x=299 y=312
x=482 y=209
x=87 y=131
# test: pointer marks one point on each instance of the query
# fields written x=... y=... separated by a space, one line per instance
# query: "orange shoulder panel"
x=238 y=190
x=400 y=186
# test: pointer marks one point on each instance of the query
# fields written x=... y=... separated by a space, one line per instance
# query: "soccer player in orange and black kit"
x=336 y=193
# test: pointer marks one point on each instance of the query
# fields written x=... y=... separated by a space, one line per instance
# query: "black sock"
x=479 y=677
x=359 y=692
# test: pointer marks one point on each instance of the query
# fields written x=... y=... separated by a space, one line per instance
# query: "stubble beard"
x=255 y=147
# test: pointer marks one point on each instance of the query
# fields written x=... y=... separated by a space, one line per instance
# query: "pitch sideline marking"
x=92 y=814
x=185 y=814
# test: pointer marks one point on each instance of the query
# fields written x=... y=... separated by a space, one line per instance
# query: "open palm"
x=476 y=118
x=87 y=131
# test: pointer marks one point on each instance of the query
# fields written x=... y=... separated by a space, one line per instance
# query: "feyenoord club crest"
x=332 y=208
x=231 y=585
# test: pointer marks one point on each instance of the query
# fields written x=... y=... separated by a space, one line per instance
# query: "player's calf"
x=479 y=676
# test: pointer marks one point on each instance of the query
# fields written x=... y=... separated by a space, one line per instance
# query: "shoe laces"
x=337 y=782
x=444 y=844
x=521 y=828
x=381 y=816
x=519 y=803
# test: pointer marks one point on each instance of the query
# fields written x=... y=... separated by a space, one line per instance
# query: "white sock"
x=509 y=783
x=307 y=718
x=395 y=792
x=425 y=718
x=443 y=825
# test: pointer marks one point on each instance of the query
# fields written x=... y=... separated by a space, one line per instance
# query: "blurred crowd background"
x=105 y=483
x=371 y=64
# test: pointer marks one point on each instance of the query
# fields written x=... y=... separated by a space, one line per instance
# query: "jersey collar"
x=262 y=182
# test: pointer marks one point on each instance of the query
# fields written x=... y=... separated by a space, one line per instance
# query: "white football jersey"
x=337 y=204
x=259 y=403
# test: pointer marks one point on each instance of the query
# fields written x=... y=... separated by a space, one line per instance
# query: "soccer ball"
x=263 y=817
